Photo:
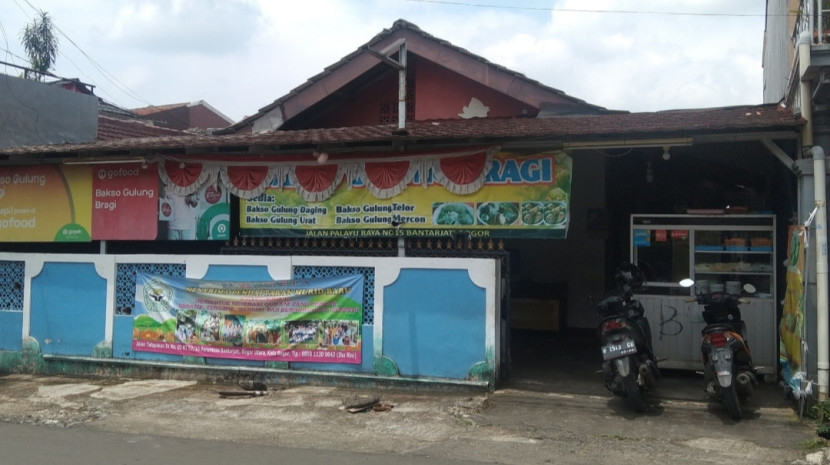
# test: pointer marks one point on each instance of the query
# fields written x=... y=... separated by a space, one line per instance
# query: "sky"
x=240 y=55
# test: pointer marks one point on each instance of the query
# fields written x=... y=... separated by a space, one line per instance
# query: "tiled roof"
x=400 y=28
x=114 y=129
x=674 y=123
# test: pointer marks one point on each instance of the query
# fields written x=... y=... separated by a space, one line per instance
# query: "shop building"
x=475 y=203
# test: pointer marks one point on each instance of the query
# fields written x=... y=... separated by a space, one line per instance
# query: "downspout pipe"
x=804 y=50
x=820 y=222
x=402 y=87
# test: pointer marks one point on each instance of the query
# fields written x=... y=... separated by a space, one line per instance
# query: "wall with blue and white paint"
x=424 y=318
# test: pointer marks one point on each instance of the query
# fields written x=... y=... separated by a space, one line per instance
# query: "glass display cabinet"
x=722 y=251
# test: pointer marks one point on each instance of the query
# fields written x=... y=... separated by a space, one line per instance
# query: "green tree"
x=41 y=45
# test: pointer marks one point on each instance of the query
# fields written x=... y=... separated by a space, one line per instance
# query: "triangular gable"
x=338 y=78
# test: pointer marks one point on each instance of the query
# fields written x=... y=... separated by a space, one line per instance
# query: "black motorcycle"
x=728 y=373
x=629 y=364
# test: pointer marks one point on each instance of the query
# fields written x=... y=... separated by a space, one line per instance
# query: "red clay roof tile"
x=674 y=123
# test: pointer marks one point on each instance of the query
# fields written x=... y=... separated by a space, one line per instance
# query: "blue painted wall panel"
x=237 y=273
x=11 y=330
x=68 y=311
x=434 y=323
x=122 y=337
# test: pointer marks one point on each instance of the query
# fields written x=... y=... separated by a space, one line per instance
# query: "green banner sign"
x=519 y=196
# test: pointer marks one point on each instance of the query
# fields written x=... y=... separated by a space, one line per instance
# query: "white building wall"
x=778 y=48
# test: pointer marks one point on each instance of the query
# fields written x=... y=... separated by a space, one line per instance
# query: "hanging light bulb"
x=322 y=157
x=666 y=154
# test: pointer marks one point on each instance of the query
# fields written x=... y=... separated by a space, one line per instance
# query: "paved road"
x=552 y=409
x=530 y=422
x=38 y=445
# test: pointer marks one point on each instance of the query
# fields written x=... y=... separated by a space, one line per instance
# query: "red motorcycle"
x=728 y=375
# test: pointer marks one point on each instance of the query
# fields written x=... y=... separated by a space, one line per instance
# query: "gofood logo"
x=104 y=173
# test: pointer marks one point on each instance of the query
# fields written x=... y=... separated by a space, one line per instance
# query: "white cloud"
x=240 y=55
x=184 y=26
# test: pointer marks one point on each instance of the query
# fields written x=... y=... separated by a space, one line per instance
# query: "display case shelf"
x=733 y=273
x=710 y=249
x=732 y=252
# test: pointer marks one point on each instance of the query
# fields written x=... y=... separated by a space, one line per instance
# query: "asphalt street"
x=555 y=412
x=37 y=445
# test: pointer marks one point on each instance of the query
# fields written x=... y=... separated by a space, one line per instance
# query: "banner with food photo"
x=303 y=320
x=483 y=192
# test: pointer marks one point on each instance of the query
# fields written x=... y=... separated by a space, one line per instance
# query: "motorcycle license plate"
x=618 y=349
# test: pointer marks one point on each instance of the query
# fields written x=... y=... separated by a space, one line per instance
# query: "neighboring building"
x=779 y=48
x=110 y=128
x=796 y=71
x=184 y=116
x=473 y=200
x=36 y=113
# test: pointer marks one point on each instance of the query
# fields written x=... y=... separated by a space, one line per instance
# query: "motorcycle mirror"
x=749 y=288
x=687 y=282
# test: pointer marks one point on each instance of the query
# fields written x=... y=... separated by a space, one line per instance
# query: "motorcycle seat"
x=719 y=328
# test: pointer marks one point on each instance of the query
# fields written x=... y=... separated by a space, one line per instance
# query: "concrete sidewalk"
x=527 y=422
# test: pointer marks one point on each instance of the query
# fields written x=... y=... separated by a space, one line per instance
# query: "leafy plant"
x=821 y=414
x=814 y=444
x=41 y=44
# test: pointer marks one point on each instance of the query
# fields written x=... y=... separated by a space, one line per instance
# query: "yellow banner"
x=45 y=204
x=792 y=320
x=522 y=196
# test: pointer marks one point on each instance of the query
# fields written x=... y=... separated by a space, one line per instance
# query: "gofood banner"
x=521 y=196
x=45 y=204
x=303 y=320
x=80 y=203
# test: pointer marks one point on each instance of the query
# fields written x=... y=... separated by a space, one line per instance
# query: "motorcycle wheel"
x=733 y=404
x=633 y=393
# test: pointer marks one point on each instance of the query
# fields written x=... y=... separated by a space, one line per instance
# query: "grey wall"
x=34 y=113
x=579 y=260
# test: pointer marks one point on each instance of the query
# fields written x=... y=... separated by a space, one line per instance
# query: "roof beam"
x=779 y=154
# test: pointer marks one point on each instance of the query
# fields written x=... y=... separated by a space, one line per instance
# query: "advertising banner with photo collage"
x=303 y=320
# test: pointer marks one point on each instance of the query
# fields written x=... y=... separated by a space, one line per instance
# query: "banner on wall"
x=201 y=215
x=477 y=191
x=791 y=327
x=80 y=203
x=487 y=195
x=304 y=320
x=124 y=202
x=49 y=203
